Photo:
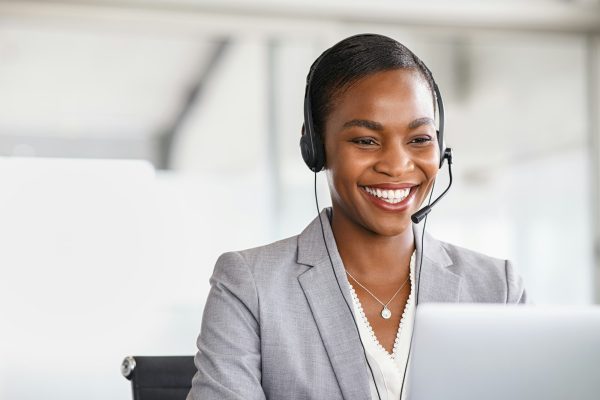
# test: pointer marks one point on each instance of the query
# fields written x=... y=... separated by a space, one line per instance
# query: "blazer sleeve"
x=228 y=358
x=516 y=292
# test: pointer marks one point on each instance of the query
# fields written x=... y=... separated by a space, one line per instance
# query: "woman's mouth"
x=390 y=199
x=390 y=195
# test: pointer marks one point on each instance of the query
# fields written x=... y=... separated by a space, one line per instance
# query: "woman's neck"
x=370 y=256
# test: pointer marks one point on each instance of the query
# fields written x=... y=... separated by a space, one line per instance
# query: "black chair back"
x=159 y=378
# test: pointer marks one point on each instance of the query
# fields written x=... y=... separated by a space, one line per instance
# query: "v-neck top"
x=388 y=369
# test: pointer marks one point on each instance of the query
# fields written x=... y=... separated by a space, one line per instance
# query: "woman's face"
x=381 y=150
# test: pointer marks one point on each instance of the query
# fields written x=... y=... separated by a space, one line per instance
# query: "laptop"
x=505 y=352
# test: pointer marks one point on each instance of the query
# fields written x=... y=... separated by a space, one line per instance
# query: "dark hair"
x=352 y=59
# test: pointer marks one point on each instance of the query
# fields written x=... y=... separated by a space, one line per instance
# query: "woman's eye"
x=421 y=140
x=365 y=141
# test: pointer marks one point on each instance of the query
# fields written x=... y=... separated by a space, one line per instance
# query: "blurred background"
x=140 y=139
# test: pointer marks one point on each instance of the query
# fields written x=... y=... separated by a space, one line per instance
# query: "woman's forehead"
x=401 y=93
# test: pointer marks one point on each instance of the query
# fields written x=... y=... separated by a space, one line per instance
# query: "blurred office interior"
x=140 y=139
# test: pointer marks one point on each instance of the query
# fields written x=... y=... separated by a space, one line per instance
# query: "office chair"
x=159 y=378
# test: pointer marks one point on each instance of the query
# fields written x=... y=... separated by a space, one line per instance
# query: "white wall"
x=103 y=259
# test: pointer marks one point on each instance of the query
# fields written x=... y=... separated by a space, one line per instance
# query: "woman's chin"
x=391 y=228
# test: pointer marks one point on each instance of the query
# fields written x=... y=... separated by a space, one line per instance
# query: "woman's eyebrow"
x=420 y=121
x=364 y=123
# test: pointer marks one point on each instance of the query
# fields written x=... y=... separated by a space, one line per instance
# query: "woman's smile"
x=389 y=197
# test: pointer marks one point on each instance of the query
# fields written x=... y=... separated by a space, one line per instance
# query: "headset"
x=313 y=154
x=311 y=145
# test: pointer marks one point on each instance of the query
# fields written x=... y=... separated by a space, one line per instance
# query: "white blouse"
x=388 y=369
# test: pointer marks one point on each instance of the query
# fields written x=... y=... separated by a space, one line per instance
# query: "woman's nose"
x=394 y=160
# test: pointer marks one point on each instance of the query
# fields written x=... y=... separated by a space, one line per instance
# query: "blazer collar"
x=438 y=283
x=333 y=313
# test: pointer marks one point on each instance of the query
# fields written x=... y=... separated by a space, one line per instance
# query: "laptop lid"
x=501 y=352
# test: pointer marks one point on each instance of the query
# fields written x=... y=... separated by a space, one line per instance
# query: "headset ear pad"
x=312 y=150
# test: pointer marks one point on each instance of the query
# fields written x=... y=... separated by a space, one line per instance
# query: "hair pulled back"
x=352 y=59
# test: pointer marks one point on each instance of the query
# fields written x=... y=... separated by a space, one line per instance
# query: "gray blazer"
x=275 y=324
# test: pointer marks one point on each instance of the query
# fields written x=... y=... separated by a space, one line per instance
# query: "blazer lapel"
x=436 y=282
x=332 y=312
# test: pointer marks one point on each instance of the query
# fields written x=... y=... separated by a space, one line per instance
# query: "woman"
x=328 y=314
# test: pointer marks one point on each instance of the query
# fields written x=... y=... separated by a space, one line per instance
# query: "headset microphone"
x=422 y=213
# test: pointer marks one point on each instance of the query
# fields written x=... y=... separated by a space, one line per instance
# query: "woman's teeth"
x=389 y=196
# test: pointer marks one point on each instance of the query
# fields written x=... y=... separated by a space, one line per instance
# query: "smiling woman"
x=329 y=313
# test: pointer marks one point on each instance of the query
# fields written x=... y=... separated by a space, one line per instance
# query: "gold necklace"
x=385 y=312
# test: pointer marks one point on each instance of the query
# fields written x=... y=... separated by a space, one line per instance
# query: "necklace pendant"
x=386 y=313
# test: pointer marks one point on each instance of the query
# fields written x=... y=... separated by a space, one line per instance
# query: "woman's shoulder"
x=482 y=273
x=276 y=257
x=466 y=259
x=276 y=252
